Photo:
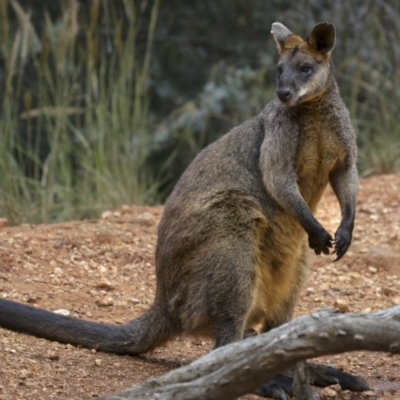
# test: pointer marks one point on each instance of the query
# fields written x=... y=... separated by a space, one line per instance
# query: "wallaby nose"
x=284 y=94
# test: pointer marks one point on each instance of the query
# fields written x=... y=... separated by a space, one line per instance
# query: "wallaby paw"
x=276 y=388
x=324 y=375
x=320 y=241
x=342 y=242
x=250 y=332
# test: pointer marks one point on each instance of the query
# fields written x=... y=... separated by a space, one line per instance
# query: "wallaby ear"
x=280 y=33
x=322 y=37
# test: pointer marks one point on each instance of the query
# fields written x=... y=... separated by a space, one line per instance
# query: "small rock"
x=24 y=373
x=373 y=270
x=83 y=373
x=328 y=393
x=53 y=356
x=342 y=305
x=106 y=302
x=324 y=286
x=396 y=301
x=97 y=362
x=62 y=311
x=106 y=215
x=388 y=291
x=105 y=284
x=369 y=393
x=31 y=300
x=317 y=300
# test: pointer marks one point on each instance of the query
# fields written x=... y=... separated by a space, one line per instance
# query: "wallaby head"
x=304 y=65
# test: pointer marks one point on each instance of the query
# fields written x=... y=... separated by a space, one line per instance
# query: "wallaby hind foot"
x=276 y=388
x=319 y=375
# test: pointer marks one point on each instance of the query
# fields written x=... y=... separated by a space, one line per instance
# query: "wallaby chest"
x=319 y=149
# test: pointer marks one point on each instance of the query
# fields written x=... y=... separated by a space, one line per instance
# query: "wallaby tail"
x=139 y=335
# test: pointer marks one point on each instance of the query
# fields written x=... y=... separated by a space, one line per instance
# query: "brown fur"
x=235 y=233
x=297 y=43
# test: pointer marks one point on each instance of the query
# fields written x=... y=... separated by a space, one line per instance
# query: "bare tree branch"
x=238 y=368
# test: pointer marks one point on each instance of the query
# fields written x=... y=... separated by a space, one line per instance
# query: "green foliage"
x=230 y=96
x=74 y=142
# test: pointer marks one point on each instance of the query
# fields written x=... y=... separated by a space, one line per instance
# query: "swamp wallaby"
x=235 y=234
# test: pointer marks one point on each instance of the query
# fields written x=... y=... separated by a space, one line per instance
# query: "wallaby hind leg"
x=280 y=385
x=233 y=297
x=231 y=323
x=319 y=374
x=228 y=331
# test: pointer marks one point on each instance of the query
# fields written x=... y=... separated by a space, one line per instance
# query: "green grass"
x=74 y=143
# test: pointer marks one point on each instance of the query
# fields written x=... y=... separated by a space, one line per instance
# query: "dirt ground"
x=103 y=270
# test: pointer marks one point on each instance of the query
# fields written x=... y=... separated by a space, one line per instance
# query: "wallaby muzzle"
x=286 y=90
x=284 y=94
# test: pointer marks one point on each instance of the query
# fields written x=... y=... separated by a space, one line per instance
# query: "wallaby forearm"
x=289 y=198
x=344 y=184
x=343 y=179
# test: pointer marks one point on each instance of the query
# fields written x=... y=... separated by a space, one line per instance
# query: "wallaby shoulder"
x=230 y=162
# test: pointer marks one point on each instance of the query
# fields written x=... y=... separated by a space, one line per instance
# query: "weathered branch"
x=233 y=370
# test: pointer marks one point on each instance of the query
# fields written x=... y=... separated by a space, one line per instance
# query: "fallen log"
x=238 y=368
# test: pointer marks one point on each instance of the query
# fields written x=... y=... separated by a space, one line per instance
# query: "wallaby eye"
x=279 y=67
x=306 y=69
